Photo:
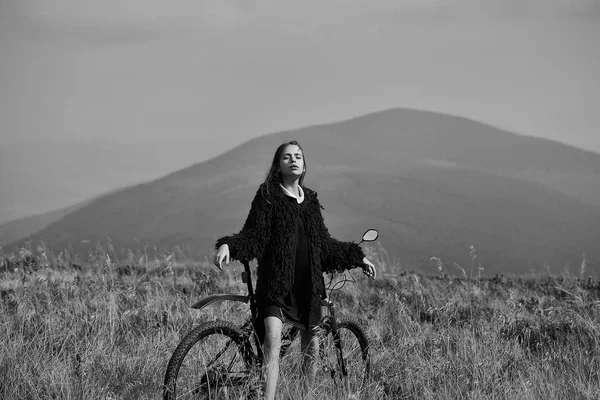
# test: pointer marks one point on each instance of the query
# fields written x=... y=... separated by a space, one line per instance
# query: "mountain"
x=37 y=178
x=433 y=185
x=24 y=227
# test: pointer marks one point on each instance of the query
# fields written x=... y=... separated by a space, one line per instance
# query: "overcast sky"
x=222 y=71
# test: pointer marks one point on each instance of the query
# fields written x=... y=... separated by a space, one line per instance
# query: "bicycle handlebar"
x=361 y=264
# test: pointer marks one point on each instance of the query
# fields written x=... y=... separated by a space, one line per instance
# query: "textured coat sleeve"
x=251 y=241
x=337 y=255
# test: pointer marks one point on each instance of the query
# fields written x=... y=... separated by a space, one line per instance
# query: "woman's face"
x=291 y=163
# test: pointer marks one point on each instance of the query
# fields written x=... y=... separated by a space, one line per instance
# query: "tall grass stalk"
x=107 y=329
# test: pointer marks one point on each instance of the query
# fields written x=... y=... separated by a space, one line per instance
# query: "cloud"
x=84 y=22
x=113 y=22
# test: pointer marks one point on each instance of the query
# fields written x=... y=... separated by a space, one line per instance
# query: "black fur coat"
x=269 y=235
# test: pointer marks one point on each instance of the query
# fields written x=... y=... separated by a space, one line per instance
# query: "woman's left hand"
x=369 y=269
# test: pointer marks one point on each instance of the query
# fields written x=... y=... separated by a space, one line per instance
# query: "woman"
x=286 y=233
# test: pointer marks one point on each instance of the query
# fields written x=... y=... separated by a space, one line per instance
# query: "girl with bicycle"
x=286 y=233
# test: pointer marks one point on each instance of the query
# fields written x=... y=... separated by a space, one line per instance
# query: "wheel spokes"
x=351 y=379
x=212 y=369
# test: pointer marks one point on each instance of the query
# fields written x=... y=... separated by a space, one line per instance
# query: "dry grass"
x=107 y=331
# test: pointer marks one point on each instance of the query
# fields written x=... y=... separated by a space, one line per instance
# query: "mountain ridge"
x=443 y=180
x=40 y=177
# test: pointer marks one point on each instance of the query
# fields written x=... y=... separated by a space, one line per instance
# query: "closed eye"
x=286 y=156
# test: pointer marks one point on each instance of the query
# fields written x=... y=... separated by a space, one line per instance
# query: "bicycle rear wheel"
x=213 y=361
x=350 y=378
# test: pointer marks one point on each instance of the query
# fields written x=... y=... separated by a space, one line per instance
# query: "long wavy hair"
x=274 y=175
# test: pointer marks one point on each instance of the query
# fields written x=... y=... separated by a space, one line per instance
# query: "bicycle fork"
x=337 y=340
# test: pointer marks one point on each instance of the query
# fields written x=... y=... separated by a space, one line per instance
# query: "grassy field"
x=106 y=331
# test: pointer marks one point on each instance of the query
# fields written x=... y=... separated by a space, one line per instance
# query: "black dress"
x=295 y=306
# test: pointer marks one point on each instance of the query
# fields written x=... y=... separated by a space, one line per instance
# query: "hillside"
x=430 y=337
x=41 y=177
x=23 y=227
x=433 y=184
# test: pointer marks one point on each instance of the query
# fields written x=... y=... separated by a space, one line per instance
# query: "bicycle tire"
x=355 y=352
x=193 y=371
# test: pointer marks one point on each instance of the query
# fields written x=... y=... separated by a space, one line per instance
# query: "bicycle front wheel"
x=345 y=361
x=213 y=361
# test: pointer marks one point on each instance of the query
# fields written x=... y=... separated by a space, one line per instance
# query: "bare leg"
x=310 y=348
x=271 y=348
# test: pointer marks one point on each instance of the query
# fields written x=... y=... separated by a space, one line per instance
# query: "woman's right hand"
x=222 y=254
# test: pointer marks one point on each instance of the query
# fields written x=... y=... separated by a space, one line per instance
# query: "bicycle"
x=220 y=360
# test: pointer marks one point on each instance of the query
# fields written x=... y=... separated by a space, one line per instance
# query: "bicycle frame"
x=249 y=346
x=290 y=335
x=218 y=298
